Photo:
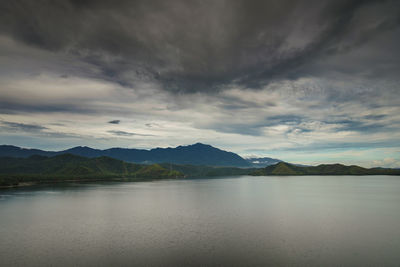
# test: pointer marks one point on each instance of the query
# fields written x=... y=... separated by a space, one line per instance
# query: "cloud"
x=247 y=76
x=388 y=162
x=123 y=133
x=34 y=129
x=23 y=127
x=199 y=45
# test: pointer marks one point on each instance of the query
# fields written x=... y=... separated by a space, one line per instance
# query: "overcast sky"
x=304 y=81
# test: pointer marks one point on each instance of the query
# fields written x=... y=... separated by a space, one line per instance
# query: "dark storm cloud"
x=197 y=45
x=114 y=121
x=337 y=35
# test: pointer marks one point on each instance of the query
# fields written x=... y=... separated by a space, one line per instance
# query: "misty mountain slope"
x=262 y=162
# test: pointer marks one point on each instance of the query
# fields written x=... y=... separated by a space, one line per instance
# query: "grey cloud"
x=151 y=125
x=123 y=133
x=306 y=122
x=35 y=129
x=321 y=146
x=253 y=128
x=23 y=127
x=237 y=128
x=283 y=119
x=53 y=134
x=375 y=117
x=193 y=45
x=237 y=103
x=114 y=121
x=360 y=126
x=14 y=107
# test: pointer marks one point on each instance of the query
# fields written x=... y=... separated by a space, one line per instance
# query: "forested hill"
x=284 y=168
x=71 y=167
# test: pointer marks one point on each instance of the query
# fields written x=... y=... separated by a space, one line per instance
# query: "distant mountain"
x=262 y=162
x=72 y=167
x=197 y=154
x=18 y=152
x=283 y=168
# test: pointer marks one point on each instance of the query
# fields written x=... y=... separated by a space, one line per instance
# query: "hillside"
x=283 y=168
x=196 y=154
x=207 y=171
x=71 y=167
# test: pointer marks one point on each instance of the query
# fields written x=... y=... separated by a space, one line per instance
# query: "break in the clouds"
x=305 y=81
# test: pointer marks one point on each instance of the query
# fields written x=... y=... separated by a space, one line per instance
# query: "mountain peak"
x=80 y=147
x=200 y=144
x=196 y=145
x=282 y=163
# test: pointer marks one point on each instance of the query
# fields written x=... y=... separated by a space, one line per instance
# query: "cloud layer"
x=307 y=81
x=199 y=45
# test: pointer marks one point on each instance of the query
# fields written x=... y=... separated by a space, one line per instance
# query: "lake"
x=231 y=221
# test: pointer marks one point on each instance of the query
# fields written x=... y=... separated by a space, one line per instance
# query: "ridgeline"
x=196 y=154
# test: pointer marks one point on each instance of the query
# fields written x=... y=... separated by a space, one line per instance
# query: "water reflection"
x=233 y=221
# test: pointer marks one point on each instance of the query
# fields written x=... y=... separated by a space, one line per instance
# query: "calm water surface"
x=232 y=221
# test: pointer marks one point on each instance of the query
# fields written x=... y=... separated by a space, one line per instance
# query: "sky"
x=304 y=81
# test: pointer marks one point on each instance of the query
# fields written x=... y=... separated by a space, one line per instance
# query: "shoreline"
x=30 y=184
x=18 y=185
x=52 y=182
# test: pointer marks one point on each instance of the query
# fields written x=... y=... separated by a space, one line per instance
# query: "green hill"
x=283 y=168
x=14 y=171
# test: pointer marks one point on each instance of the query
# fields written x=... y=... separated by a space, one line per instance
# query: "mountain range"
x=15 y=171
x=196 y=154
